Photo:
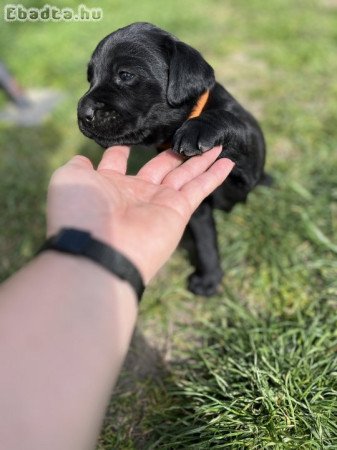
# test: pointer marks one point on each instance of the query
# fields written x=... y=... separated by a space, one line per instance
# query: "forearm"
x=65 y=326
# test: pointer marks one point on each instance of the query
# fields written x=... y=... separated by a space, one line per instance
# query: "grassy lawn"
x=254 y=367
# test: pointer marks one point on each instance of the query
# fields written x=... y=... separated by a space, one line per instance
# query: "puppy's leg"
x=211 y=128
x=207 y=277
x=242 y=141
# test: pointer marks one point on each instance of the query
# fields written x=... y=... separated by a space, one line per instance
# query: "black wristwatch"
x=79 y=242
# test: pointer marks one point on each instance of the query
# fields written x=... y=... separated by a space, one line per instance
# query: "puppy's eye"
x=125 y=76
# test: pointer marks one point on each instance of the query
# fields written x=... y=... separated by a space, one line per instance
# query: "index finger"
x=191 y=168
x=158 y=167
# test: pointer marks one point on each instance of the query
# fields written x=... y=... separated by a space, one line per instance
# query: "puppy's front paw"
x=195 y=137
x=206 y=284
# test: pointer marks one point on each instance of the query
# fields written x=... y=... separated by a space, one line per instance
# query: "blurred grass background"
x=254 y=367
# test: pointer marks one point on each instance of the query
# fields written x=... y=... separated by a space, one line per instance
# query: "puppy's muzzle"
x=93 y=114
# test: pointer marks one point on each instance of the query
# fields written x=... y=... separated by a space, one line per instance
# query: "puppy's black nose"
x=89 y=114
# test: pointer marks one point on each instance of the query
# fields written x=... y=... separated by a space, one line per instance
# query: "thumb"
x=80 y=161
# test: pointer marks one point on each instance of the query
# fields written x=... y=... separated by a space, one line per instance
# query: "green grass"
x=255 y=366
x=256 y=382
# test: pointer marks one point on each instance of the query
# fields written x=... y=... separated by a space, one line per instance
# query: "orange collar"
x=196 y=111
x=200 y=105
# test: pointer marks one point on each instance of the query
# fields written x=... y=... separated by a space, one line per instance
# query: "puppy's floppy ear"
x=189 y=74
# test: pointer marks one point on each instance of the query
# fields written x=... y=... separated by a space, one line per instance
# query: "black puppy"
x=144 y=83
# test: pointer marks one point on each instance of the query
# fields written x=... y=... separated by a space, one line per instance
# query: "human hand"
x=142 y=216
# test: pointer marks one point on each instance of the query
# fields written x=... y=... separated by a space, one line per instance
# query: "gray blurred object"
x=27 y=108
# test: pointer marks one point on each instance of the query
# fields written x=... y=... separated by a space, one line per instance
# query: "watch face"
x=71 y=240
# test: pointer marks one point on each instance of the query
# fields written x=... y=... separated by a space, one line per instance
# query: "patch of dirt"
x=284 y=149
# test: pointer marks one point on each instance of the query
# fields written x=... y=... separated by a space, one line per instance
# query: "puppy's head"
x=143 y=83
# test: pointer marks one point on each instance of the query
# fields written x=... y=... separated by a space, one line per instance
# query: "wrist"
x=111 y=233
x=74 y=272
x=81 y=243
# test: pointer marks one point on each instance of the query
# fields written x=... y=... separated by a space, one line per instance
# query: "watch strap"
x=81 y=243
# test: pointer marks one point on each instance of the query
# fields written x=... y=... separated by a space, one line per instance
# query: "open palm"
x=142 y=216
